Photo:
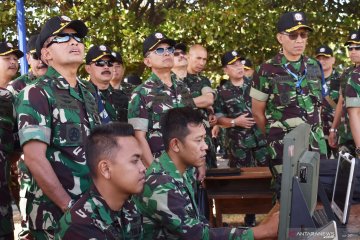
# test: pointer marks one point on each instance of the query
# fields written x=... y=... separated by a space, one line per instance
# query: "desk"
x=247 y=193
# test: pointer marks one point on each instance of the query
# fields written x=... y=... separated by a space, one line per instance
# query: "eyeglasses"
x=178 y=53
x=351 y=48
x=294 y=36
x=102 y=63
x=64 y=37
x=161 y=51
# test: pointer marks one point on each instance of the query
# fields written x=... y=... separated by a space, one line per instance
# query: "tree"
x=220 y=25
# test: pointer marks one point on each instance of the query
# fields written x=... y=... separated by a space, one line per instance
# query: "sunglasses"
x=161 y=51
x=102 y=63
x=178 y=53
x=64 y=37
x=351 y=48
x=294 y=36
x=34 y=55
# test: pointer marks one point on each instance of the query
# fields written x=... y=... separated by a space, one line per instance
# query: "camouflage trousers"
x=6 y=215
x=25 y=182
x=248 y=157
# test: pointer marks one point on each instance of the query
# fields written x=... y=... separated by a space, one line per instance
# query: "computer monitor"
x=299 y=182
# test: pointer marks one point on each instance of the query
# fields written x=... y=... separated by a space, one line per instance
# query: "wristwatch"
x=232 y=123
x=70 y=204
x=333 y=130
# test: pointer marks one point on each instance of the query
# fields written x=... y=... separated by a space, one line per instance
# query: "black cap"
x=155 y=39
x=354 y=38
x=31 y=44
x=117 y=57
x=247 y=63
x=324 y=50
x=97 y=52
x=229 y=58
x=7 y=48
x=133 y=79
x=55 y=25
x=181 y=46
x=292 y=21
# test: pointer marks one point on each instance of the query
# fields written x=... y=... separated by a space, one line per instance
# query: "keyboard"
x=320 y=217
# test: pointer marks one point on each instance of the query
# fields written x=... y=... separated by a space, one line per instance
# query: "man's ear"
x=279 y=37
x=45 y=55
x=174 y=145
x=147 y=62
x=87 y=68
x=104 y=169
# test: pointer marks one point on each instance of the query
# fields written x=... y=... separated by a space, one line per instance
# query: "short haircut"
x=174 y=123
x=102 y=143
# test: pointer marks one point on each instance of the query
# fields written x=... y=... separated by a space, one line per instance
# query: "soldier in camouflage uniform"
x=352 y=90
x=167 y=202
x=105 y=211
x=117 y=81
x=288 y=89
x=324 y=55
x=54 y=117
x=246 y=144
x=8 y=68
x=100 y=66
x=203 y=94
x=37 y=69
x=248 y=68
x=161 y=92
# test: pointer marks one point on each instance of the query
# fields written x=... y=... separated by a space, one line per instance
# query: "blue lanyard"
x=298 y=78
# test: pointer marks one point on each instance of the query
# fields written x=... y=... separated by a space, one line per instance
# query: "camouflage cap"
x=229 y=58
x=292 y=21
x=7 y=48
x=324 y=50
x=55 y=25
x=97 y=52
x=117 y=57
x=155 y=39
x=354 y=38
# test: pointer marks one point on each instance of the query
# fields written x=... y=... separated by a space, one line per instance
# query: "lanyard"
x=298 y=78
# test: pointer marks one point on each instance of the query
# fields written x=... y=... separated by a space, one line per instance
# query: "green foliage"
x=221 y=25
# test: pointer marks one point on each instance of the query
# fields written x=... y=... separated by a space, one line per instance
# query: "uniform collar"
x=280 y=59
x=101 y=208
x=164 y=163
x=160 y=83
x=59 y=81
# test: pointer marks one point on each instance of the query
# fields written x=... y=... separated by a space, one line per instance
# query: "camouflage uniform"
x=24 y=176
x=92 y=218
x=169 y=208
x=199 y=85
x=52 y=112
x=150 y=101
x=127 y=88
x=115 y=103
x=352 y=95
x=327 y=111
x=247 y=147
x=7 y=121
x=288 y=106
